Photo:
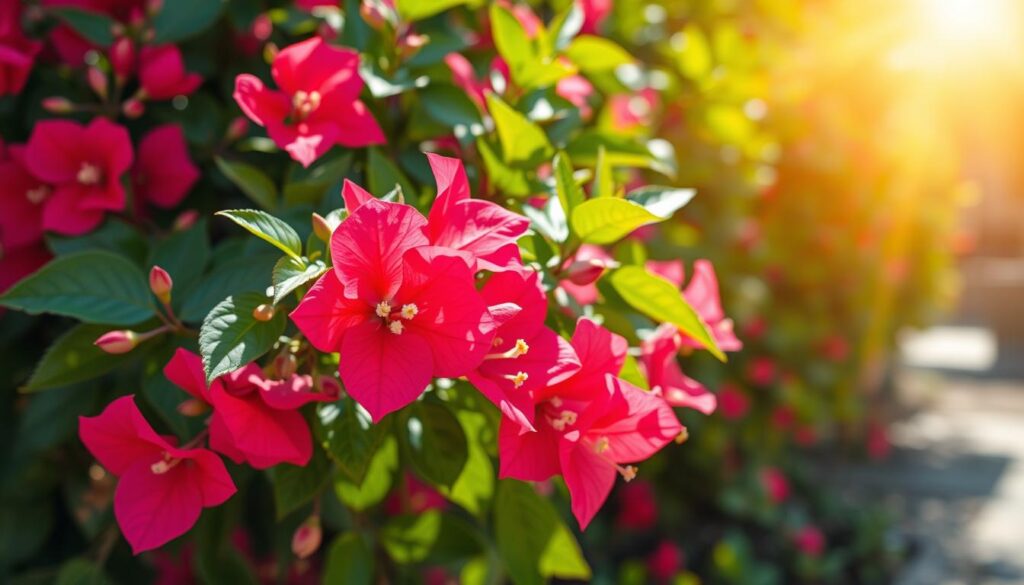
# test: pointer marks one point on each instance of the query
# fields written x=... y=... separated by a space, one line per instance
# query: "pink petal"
x=63 y=212
x=164 y=172
x=185 y=370
x=356 y=126
x=353 y=195
x=114 y=146
x=162 y=73
x=702 y=292
x=368 y=248
x=636 y=423
x=522 y=288
x=290 y=394
x=265 y=436
x=452 y=187
x=52 y=153
x=452 y=317
x=383 y=371
x=515 y=404
x=589 y=477
x=671 y=270
x=259 y=103
x=464 y=78
x=305 y=142
x=480 y=227
x=313 y=65
x=21 y=219
x=600 y=353
x=527 y=456
x=325 y=313
x=120 y=436
x=153 y=509
x=212 y=476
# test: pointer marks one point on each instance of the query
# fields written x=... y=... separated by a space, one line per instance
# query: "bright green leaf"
x=268 y=228
x=522 y=141
x=597 y=55
x=607 y=220
x=660 y=300
x=95 y=287
x=693 y=53
x=413 y=10
x=232 y=337
x=379 y=477
x=289 y=274
x=475 y=486
x=570 y=194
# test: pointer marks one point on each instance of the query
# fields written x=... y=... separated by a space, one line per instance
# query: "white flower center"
x=89 y=174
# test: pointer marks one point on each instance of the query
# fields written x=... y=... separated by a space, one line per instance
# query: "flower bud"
x=321 y=227
x=193 y=407
x=160 y=283
x=122 y=58
x=185 y=220
x=307 y=537
x=133 y=108
x=375 y=13
x=411 y=44
x=58 y=105
x=329 y=386
x=583 y=272
x=117 y=342
x=285 y=365
x=97 y=81
x=237 y=129
x=263 y=312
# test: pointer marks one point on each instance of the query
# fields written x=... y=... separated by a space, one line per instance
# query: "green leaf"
x=660 y=300
x=268 y=228
x=475 y=486
x=73 y=358
x=622 y=151
x=347 y=433
x=607 y=220
x=349 y=561
x=661 y=201
x=252 y=181
x=532 y=540
x=181 y=19
x=430 y=536
x=94 y=26
x=383 y=175
x=451 y=106
x=595 y=55
x=549 y=221
x=183 y=255
x=114 y=235
x=290 y=274
x=95 y=287
x=510 y=38
x=567 y=25
x=435 y=442
x=604 y=182
x=248 y=274
x=413 y=10
x=631 y=373
x=79 y=571
x=522 y=141
x=378 y=480
x=294 y=486
x=693 y=53
x=570 y=194
x=507 y=180
x=231 y=337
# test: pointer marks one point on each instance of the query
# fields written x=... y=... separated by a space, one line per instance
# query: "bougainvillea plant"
x=445 y=330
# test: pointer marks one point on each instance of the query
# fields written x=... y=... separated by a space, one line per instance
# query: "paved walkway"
x=956 y=478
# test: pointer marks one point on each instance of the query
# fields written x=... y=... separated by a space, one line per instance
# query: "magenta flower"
x=162 y=73
x=17 y=263
x=317 y=105
x=659 y=360
x=164 y=172
x=251 y=422
x=84 y=165
x=485 y=230
x=398 y=310
x=594 y=14
x=162 y=488
x=526 y=355
x=702 y=294
x=589 y=426
x=17 y=53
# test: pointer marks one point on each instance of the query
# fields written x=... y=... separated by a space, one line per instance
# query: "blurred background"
x=859 y=164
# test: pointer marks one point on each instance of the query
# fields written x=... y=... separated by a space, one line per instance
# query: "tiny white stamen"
x=396 y=327
x=628 y=472
x=519 y=379
x=160 y=467
x=88 y=174
x=602 y=445
x=409 y=311
x=520 y=349
x=383 y=309
x=37 y=195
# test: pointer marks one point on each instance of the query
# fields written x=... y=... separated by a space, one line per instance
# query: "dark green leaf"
x=81 y=571
x=267 y=228
x=95 y=287
x=435 y=441
x=475 y=486
x=346 y=431
x=294 y=486
x=660 y=300
x=94 y=26
x=383 y=175
x=431 y=536
x=231 y=337
x=290 y=274
x=114 y=235
x=252 y=181
x=73 y=358
x=181 y=19
x=349 y=561
x=183 y=255
x=248 y=274
x=531 y=538
x=452 y=107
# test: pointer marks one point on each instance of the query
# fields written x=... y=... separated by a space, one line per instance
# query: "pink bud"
x=375 y=13
x=186 y=220
x=122 y=58
x=97 y=81
x=160 y=283
x=58 y=105
x=307 y=537
x=810 y=541
x=321 y=227
x=329 y=386
x=117 y=342
x=133 y=108
x=285 y=365
x=411 y=44
x=237 y=129
x=262 y=27
x=584 y=272
x=193 y=407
